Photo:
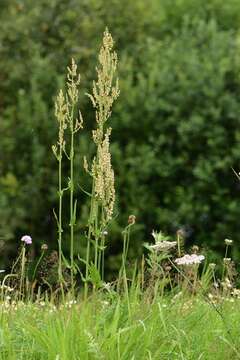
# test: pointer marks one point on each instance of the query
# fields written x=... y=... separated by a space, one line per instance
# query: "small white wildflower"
x=163 y=245
x=236 y=292
x=105 y=303
x=107 y=286
x=190 y=259
x=228 y=241
x=227 y=260
x=228 y=283
x=212 y=266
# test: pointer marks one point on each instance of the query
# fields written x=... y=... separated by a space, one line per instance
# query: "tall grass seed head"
x=73 y=81
x=104 y=176
x=105 y=91
x=61 y=112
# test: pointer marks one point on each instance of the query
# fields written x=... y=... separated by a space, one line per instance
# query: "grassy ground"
x=110 y=327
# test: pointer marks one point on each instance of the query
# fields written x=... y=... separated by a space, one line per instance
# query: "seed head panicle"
x=61 y=116
x=72 y=97
x=73 y=81
x=105 y=90
x=103 y=175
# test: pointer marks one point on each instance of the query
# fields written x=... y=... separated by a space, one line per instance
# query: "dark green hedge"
x=176 y=125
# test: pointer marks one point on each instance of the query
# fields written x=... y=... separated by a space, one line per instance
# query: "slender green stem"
x=72 y=209
x=38 y=262
x=179 y=245
x=224 y=265
x=60 y=194
x=22 y=275
x=89 y=240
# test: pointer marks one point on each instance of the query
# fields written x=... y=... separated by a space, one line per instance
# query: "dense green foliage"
x=102 y=329
x=176 y=132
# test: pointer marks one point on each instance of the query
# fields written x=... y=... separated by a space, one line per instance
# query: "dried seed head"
x=131 y=219
x=44 y=247
x=181 y=232
x=195 y=249
x=168 y=268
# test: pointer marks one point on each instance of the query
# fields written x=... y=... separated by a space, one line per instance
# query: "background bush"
x=176 y=125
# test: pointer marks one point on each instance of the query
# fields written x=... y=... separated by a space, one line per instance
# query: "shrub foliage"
x=176 y=132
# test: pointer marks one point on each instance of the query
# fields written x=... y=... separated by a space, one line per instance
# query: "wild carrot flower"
x=163 y=245
x=190 y=259
x=26 y=239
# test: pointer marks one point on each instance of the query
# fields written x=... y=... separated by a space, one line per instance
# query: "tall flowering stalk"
x=75 y=123
x=105 y=92
x=65 y=112
x=61 y=115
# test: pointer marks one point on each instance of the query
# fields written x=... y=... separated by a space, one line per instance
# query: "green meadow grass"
x=103 y=328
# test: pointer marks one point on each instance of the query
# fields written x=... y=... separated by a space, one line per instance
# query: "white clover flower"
x=26 y=239
x=190 y=259
x=163 y=245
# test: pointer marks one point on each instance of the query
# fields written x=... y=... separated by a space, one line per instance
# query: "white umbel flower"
x=190 y=259
x=163 y=245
